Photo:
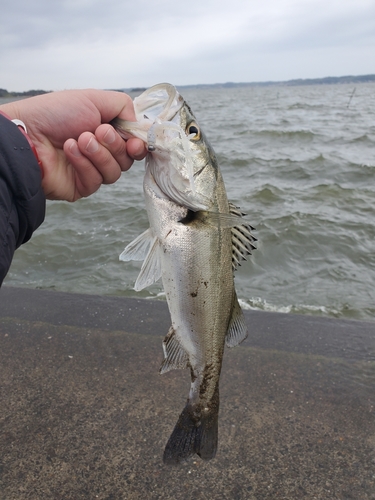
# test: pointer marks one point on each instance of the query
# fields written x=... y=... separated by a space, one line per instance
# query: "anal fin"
x=175 y=356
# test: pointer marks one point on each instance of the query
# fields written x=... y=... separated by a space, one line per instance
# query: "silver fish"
x=195 y=241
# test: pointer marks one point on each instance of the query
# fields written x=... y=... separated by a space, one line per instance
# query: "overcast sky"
x=59 y=44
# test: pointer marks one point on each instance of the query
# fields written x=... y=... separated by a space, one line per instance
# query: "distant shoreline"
x=329 y=80
x=29 y=93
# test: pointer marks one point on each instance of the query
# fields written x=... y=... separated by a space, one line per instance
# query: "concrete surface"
x=85 y=415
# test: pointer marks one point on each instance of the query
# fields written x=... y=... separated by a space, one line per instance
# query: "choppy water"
x=298 y=160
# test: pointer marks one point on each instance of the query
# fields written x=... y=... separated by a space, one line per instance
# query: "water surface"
x=298 y=160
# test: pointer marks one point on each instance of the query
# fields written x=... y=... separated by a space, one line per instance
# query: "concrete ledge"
x=84 y=413
x=347 y=339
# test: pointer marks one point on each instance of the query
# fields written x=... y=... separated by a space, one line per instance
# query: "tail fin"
x=195 y=432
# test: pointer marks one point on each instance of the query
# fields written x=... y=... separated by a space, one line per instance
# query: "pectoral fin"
x=145 y=247
x=138 y=248
x=175 y=356
x=151 y=268
x=237 y=331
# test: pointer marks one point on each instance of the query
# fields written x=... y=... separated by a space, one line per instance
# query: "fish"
x=195 y=242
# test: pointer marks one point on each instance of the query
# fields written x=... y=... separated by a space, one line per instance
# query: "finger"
x=136 y=148
x=100 y=157
x=87 y=178
x=110 y=139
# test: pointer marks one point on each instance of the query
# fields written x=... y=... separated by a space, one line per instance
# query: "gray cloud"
x=119 y=43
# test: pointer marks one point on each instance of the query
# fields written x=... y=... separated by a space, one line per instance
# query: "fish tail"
x=196 y=431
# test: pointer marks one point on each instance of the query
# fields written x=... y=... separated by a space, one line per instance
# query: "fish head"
x=180 y=159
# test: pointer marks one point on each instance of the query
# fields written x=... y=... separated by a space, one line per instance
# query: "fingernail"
x=74 y=149
x=110 y=136
x=92 y=146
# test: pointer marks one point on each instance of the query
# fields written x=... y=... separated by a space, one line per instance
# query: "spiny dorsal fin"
x=175 y=356
x=237 y=331
x=242 y=239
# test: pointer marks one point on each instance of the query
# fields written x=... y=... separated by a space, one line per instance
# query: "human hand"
x=77 y=147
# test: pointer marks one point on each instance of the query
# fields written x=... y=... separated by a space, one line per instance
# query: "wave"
x=274 y=133
x=363 y=139
x=305 y=105
x=343 y=311
x=267 y=194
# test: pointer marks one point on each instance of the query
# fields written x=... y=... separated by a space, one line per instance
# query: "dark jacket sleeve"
x=22 y=201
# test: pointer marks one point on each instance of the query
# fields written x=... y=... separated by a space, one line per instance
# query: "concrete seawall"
x=84 y=413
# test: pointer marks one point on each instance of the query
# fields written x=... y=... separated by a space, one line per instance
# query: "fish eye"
x=193 y=132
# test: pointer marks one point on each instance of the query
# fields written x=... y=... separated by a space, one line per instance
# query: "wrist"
x=22 y=127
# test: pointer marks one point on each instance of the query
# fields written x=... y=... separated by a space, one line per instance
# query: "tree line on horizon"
x=28 y=93
x=329 y=80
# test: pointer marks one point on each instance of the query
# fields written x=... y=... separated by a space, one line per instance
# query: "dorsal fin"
x=242 y=239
